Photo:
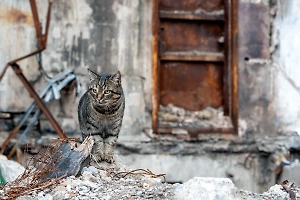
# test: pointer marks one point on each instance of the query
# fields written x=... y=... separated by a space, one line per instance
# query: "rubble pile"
x=172 y=116
x=57 y=174
x=105 y=181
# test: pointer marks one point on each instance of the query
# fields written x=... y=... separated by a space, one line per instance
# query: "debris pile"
x=172 y=116
x=107 y=181
x=66 y=171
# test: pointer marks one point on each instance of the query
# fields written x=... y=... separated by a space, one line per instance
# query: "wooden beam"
x=234 y=65
x=193 y=56
x=227 y=58
x=196 y=131
x=155 y=66
x=192 y=15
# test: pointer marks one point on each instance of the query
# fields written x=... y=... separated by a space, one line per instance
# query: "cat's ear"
x=116 y=77
x=92 y=75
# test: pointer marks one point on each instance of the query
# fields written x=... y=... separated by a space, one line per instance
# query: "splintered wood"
x=60 y=159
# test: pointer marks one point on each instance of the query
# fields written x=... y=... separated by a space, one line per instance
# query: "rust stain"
x=191 y=85
x=12 y=15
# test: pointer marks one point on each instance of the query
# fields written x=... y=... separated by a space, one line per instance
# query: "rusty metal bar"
x=3 y=71
x=155 y=66
x=37 y=24
x=9 y=138
x=38 y=101
x=47 y=23
x=42 y=42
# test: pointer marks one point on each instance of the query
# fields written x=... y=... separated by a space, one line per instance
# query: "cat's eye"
x=107 y=92
x=94 y=90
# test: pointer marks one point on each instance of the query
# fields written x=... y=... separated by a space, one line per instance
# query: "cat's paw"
x=99 y=157
x=109 y=158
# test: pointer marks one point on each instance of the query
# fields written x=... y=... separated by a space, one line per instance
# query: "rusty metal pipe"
x=9 y=138
x=3 y=71
x=36 y=21
x=38 y=101
x=47 y=23
x=42 y=43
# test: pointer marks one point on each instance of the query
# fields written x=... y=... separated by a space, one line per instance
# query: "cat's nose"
x=100 y=100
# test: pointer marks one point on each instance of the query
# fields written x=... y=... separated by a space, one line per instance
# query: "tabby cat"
x=100 y=113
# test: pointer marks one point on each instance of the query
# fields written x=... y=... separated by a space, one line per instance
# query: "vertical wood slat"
x=227 y=58
x=155 y=66
x=234 y=65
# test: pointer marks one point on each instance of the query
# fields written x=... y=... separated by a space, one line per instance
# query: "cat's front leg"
x=98 y=149
x=110 y=144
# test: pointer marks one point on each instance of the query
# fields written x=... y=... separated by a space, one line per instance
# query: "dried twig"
x=35 y=177
x=142 y=172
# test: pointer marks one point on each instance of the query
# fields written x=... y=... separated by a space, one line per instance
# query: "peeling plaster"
x=286 y=65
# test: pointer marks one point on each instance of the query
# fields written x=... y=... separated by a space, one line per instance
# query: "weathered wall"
x=286 y=66
x=107 y=36
x=255 y=73
x=104 y=36
x=268 y=67
x=17 y=38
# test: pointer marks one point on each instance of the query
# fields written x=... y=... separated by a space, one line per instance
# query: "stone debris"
x=172 y=116
x=100 y=182
x=206 y=188
x=9 y=170
x=97 y=182
x=223 y=189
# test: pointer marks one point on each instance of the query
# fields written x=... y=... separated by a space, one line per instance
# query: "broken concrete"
x=176 y=117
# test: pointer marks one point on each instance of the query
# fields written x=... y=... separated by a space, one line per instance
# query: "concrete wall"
x=286 y=66
x=104 y=36
x=107 y=36
x=268 y=67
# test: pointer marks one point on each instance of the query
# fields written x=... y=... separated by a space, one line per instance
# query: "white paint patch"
x=286 y=80
x=83 y=9
x=122 y=13
x=56 y=32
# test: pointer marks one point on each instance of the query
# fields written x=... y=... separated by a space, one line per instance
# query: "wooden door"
x=193 y=62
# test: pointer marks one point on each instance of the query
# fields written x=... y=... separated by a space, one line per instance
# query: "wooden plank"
x=192 y=15
x=234 y=65
x=227 y=59
x=191 y=85
x=196 y=131
x=155 y=66
x=193 y=56
x=192 y=5
x=181 y=36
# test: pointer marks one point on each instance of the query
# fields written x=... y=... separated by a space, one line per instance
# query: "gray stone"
x=206 y=188
x=291 y=172
x=93 y=170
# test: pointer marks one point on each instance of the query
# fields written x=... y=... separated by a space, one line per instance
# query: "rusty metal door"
x=192 y=56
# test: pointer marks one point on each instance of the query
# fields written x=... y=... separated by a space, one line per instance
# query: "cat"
x=100 y=113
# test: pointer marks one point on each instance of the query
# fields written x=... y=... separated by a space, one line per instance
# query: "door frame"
x=231 y=104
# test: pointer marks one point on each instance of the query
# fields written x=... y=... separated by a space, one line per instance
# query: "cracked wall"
x=107 y=36
x=286 y=67
x=104 y=36
x=268 y=85
x=255 y=81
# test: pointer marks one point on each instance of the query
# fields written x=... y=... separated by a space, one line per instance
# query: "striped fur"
x=100 y=113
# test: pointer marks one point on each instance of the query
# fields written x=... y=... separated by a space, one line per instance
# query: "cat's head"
x=105 y=89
